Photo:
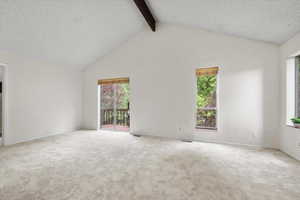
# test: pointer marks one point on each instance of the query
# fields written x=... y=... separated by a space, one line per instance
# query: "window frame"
x=297 y=82
x=112 y=81
x=292 y=89
x=217 y=108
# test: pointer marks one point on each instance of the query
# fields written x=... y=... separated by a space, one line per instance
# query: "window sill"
x=291 y=126
x=205 y=130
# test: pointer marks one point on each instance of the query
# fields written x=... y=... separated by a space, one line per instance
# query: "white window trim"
x=98 y=107
x=290 y=90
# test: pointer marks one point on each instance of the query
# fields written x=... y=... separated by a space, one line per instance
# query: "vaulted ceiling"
x=77 y=32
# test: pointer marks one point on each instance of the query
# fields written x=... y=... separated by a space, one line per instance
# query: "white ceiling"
x=77 y=32
x=73 y=32
x=268 y=20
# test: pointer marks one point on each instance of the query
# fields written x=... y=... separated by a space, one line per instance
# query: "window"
x=206 y=98
x=292 y=89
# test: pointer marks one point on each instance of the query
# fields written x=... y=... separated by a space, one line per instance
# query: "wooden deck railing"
x=122 y=117
x=206 y=118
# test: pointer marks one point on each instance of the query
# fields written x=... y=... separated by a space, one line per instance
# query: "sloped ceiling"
x=273 y=21
x=77 y=32
x=73 y=32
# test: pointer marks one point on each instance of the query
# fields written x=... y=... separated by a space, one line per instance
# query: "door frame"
x=4 y=104
x=114 y=109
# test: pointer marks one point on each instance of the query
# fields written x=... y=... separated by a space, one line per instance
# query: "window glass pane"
x=206 y=118
x=122 y=106
x=122 y=95
x=206 y=101
x=107 y=106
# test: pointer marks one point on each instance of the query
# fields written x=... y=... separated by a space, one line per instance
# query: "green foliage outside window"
x=206 y=94
x=123 y=94
x=206 y=99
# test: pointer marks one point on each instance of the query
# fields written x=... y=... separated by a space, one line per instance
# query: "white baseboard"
x=291 y=154
x=39 y=137
x=201 y=140
x=146 y=134
x=230 y=143
x=163 y=136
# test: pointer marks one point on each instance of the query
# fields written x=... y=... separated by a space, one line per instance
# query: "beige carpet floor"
x=111 y=166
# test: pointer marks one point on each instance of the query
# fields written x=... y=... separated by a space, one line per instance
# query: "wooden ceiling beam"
x=144 y=9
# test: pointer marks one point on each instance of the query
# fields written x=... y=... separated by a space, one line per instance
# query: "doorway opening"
x=114 y=104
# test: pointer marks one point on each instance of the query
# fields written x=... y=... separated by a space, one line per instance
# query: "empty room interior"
x=149 y=100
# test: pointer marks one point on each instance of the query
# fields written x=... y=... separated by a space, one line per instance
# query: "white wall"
x=161 y=67
x=42 y=99
x=289 y=136
x=1 y=79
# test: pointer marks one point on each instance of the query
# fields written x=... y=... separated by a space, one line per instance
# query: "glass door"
x=122 y=107
x=114 y=106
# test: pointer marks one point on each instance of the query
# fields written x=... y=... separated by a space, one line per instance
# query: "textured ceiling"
x=77 y=32
x=268 y=20
x=71 y=32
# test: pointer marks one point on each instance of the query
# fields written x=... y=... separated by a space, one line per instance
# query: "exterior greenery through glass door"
x=114 y=104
